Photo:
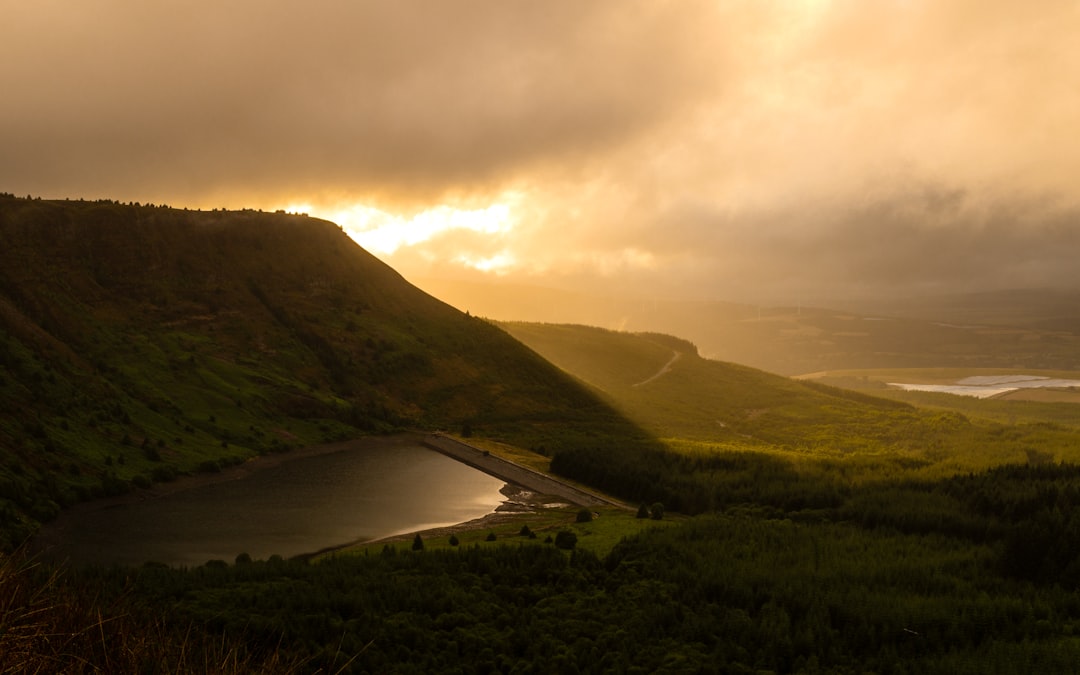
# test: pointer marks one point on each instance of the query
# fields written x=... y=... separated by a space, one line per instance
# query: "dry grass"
x=46 y=626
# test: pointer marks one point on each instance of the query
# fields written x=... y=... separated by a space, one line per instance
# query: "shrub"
x=566 y=539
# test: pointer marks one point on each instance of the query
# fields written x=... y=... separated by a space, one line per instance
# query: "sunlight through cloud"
x=499 y=264
x=384 y=233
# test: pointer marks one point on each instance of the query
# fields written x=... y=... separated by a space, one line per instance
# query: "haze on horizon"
x=746 y=150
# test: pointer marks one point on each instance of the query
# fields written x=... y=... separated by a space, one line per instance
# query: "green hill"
x=139 y=342
x=661 y=383
x=737 y=435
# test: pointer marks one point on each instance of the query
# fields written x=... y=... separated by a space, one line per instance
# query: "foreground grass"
x=48 y=624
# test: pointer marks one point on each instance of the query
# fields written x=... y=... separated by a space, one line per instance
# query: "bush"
x=163 y=474
x=584 y=516
x=566 y=539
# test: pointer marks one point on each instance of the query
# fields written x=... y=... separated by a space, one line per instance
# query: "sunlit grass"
x=607 y=528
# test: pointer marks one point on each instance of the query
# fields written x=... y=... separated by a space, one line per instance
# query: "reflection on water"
x=299 y=506
x=987 y=386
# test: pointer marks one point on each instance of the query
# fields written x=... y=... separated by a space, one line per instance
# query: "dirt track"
x=514 y=473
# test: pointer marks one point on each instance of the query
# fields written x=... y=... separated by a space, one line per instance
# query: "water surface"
x=987 y=386
x=299 y=506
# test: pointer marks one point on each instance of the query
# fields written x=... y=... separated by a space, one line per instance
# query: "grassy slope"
x=707 y=408
x=139 y=342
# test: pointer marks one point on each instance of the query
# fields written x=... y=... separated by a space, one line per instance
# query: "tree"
x=417 y=543
x=454 y=540
x=657 y=511
x=584 y=516
x=643 y=511
x=566 y=539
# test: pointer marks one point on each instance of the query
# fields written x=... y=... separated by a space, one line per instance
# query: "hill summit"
x=138 y=342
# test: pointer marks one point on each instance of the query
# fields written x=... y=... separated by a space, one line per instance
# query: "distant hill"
x=139 y=342
x=1024 y=329
x=736 y=435
x=661 y=383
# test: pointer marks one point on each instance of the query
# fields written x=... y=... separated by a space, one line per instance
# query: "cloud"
x=745 y=147
x=386 y=99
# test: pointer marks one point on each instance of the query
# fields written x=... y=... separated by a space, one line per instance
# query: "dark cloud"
x=920 y=239
x=393 y=97
x=732 y=149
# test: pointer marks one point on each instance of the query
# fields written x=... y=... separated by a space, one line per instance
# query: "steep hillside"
x=138 y=342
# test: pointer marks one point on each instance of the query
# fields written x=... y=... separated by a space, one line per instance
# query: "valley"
x=825 y=523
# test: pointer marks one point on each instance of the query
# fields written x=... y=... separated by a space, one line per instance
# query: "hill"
x=1029 y=329
x=141 y=342
x=736 y=435
x=663 y=384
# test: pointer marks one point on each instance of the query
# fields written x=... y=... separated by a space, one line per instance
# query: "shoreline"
x=525 y=490
x=50 y=534
x=238 y=471
x=519 y=500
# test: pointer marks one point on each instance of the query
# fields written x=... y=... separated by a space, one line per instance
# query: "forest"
x=973 y=574
x=803 y=527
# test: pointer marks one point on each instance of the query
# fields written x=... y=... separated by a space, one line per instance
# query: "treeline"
x=701 y=483
x=744 y=591
x=1031 y=510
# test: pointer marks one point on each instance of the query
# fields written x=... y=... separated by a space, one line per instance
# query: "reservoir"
x=988 y=386
x=374 y=488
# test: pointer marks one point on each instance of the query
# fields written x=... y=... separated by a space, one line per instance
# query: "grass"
x=48 y=624
x=527 y=458
x=149 y=342
x=607 y=528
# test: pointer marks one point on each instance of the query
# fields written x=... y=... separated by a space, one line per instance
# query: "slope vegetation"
x=1030 y=329
x=139 y=342
x=737 y=435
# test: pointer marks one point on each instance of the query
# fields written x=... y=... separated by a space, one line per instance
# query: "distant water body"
x=299 y=506
x=987 y=386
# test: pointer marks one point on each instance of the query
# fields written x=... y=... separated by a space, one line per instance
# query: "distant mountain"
x=1021 y=329
x=139 y=342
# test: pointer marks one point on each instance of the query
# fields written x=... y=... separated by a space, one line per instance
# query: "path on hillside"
x=515 y=473
x=664 y=370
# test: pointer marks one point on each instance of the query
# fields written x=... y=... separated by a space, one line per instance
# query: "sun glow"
x=498 y=264
x=382 y=232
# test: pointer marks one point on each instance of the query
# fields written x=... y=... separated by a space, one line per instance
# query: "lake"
x=988 y=386
x=298 y=506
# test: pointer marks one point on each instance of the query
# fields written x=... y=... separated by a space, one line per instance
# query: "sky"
x=748 y=150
